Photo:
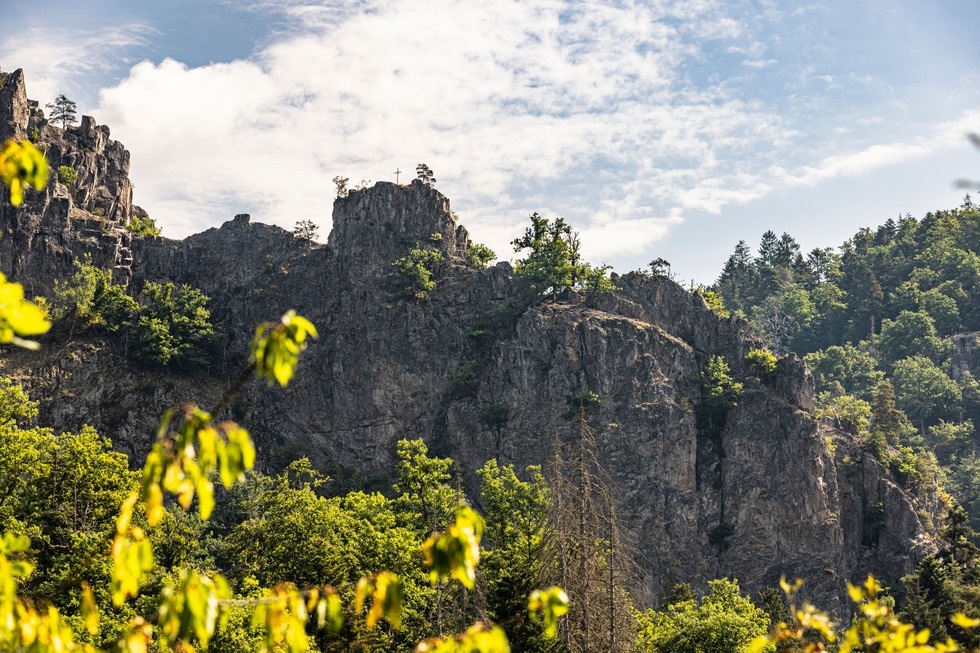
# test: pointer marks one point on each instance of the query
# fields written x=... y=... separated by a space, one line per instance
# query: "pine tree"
x=63 y=110
x=425 y=175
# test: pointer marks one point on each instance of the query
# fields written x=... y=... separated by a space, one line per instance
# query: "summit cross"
x=397 y=172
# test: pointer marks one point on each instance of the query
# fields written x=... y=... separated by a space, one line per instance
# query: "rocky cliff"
x=775 y=493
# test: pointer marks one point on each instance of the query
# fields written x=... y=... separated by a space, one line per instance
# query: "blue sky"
x=663 y=128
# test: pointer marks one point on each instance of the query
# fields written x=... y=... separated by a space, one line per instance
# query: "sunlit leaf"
x=22 y=164
x=548 y=605
x=964 y=621
x=90 y=611
x=19 y=317
x=276 y=347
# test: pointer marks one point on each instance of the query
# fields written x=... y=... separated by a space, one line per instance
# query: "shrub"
x=479 y=255
x=414 y=271
x=581 y=403
x=90 y=299
x=174 y=327
x=67 y=175
x=465 y=381
x=712 y=299
x=495 y=415
x=723 y=622
x=719 y=392
x=761 y=361
x=143 y=226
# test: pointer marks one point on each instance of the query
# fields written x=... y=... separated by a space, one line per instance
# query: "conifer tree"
x=63 y=110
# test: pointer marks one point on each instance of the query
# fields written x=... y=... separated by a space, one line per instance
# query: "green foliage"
x=723 y=622
x=425 y=497
x=464 y=381
x=435 y=238
x=67 y=175
x=172 y=327
x=90 y=299
x=18 y=317
x=424 y=174
x=951 y=440
x=62 y=110
x=22 y=165
x=479 y=255
x=515 y=512
x=554 y=262
x=596 y=281
x=495 y=415
x=874 y=627
x=850 y=414
x=855 y=369
x=276 y=347
x=714 y=300
x=761 y=361
x=144 y=226
x=910 y=334
x=413 y=272
x=551 y=604
x=455 y=552
x=306 y=231
x=923 y=390
x=719 y=392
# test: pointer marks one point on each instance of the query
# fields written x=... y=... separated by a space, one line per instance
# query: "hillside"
x=772 y=492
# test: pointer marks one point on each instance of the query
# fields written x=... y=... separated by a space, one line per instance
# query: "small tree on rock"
x=63 y=110
x=425 y=175
x=306 y=231
x=341 y=184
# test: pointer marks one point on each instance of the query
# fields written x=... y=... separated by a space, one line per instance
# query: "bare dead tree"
x=584 y=550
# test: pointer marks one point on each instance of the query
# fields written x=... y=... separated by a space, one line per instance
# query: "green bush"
x=714 y=300
x=479 y=255
x=723 y=622
x=495 y=415
x=173 y=328
x=465 y=381
x=719 y=393
x=143 y=226
x=414 y=272
x=761 y=361
x=67 y=175
x=90 y=299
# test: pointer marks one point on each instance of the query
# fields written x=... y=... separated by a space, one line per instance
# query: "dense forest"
x=888 y=325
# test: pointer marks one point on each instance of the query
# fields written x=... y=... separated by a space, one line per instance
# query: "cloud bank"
x=621 y=117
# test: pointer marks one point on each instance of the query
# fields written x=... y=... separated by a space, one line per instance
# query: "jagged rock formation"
x=62 y=222
x=766 y=497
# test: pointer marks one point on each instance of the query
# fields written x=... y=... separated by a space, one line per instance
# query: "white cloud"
x=505 y=100
x=61 y=60
x=760 y=63
x=618 y=117
x=880 y=155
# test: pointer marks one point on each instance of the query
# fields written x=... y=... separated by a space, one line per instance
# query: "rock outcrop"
x=775 y=493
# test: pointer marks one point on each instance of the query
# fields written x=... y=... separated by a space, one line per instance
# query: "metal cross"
x=397 y=172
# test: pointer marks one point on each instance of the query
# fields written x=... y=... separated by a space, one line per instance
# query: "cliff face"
x=767 y=497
